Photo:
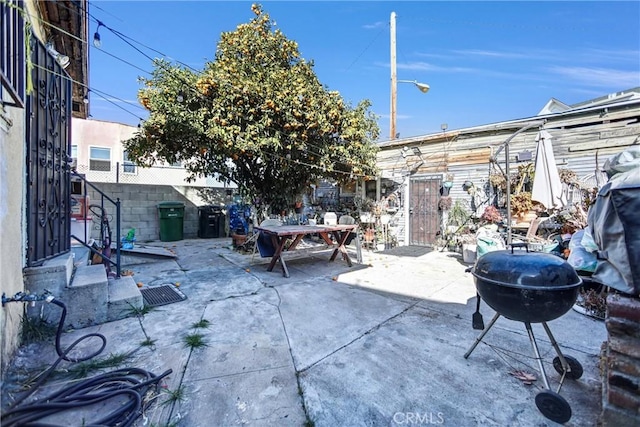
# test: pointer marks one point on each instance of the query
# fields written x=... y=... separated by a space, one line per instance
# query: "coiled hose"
x=125 y=387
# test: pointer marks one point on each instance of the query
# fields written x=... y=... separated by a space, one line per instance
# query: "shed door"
x=424 y=217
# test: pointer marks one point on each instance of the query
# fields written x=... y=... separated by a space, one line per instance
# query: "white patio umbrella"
x=547 y=187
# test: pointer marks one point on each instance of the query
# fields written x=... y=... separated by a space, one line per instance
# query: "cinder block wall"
x=621 y=391
x=139 y=207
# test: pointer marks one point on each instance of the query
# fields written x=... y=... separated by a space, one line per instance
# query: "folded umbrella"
x=547 y=187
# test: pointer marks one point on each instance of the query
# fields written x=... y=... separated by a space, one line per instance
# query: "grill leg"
x=475 y=344
x=537 y=354
x=565 y=364
x=566 y=368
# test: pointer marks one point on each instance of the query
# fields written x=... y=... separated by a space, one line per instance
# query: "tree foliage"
x=257 y=116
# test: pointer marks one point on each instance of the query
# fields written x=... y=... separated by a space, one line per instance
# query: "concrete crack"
x=293 y=361
x=367 y=332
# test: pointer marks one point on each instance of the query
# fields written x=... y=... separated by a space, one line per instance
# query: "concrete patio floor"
x=377 y=344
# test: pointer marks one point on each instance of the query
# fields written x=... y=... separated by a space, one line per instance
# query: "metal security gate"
x=48 y=149
x=424 y=217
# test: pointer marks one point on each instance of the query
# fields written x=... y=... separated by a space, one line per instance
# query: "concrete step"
x=124 y=298
x=86 y=297
x=90 y=297
x=53 y=276
x=81 y=255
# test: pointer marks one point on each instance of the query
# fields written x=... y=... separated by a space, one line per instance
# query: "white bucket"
x=469 y=253
x=79 y=227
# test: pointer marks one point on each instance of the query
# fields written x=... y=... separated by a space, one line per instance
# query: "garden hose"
x=126 y=387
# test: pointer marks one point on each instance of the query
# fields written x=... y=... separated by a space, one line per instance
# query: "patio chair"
x=267 y=222
x=330 y=218
x=349 y=220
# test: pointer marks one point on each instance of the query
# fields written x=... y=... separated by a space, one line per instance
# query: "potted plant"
x=445 y=202
x=458 y=215
x=491 y=215
x=521 y=204
x=447 y=184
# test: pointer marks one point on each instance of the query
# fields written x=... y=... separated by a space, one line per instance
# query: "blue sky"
x=486 y=62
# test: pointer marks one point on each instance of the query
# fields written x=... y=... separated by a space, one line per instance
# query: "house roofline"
x=506 y=125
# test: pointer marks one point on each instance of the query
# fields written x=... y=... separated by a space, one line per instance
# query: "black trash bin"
x=171 y=216
x=210 y=222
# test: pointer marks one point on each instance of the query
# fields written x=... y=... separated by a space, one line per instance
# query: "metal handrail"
x=103 y=198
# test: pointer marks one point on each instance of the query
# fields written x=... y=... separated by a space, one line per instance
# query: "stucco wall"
x=12 y=243
x=86 y=134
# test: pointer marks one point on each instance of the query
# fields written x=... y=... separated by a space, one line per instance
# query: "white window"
x=127 y=165
x=74 y=157
x=99 y=159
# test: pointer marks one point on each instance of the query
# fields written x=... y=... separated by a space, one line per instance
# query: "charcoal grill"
x=531 y=287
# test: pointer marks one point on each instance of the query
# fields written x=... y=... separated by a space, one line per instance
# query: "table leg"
x=358 y=248
x=342 y=236
x=326 y=238
x=278 y=243
x=295 y=242
x=285 y=270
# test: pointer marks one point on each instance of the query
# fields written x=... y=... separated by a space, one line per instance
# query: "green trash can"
x=171 y=215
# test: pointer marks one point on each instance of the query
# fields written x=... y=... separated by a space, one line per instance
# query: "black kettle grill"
x=531 y=287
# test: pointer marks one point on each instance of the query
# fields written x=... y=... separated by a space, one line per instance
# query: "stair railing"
x=101 y=209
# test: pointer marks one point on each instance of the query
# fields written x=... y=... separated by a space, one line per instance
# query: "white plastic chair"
x=330 y=218
x=270 y=221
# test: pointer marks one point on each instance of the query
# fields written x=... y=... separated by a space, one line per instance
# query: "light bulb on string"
x=96 y=36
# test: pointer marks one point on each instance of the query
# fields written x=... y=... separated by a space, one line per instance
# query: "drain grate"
x=161 y=295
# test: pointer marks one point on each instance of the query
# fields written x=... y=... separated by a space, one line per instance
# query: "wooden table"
x=281 y=234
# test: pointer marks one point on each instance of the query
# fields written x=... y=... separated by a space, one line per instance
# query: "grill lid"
x=526 y=270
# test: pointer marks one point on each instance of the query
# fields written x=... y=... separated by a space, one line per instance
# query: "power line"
x=100 y=93
x=124 y=37
x=99 y=8
x=123 y=60
x=366 y=48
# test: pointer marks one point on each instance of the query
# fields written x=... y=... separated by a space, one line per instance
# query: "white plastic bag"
x=579 y=257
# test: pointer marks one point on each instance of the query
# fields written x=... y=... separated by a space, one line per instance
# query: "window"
x=99 y=159
x=74 y=157
x=127 y=165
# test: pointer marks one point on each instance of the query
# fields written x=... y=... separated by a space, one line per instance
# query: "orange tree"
x=257 y=116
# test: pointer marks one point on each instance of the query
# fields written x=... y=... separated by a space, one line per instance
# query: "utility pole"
x=394 y=78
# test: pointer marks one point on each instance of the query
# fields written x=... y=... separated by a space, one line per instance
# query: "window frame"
x=128 y=164
x=100 y=160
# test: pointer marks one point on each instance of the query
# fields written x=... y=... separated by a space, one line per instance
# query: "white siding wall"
x=577 y=139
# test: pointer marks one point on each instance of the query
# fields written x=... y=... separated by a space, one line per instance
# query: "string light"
x=96 y=36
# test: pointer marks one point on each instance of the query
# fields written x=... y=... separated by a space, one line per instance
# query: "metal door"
x=424 y=217
x=48 y=151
